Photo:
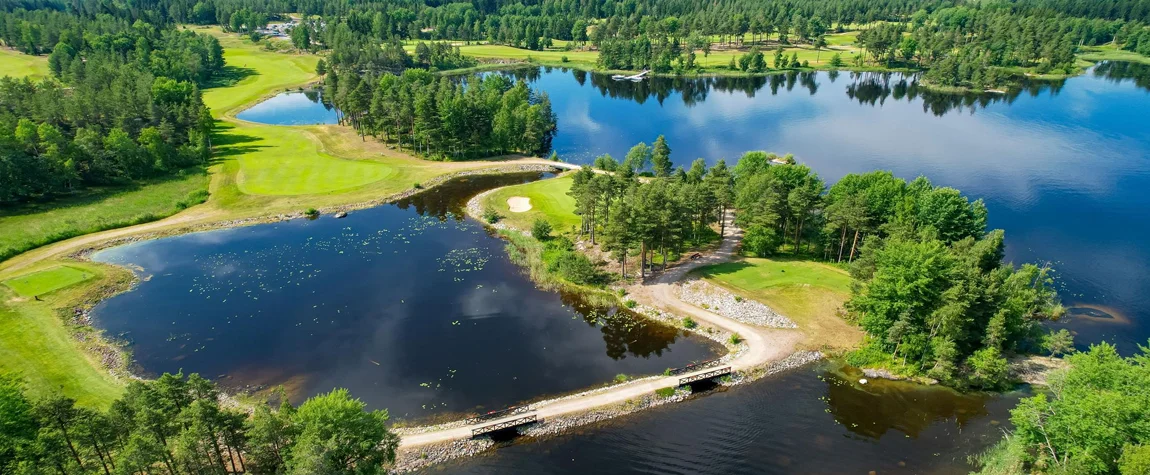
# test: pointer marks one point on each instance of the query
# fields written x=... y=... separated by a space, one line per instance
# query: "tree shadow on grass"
x=227 y=143
x=229 y=76
x=721 y=269
x=92 y=195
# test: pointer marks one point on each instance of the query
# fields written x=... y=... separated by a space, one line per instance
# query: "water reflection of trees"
x=624 y=332
x=448 y=200
x=879 y=406
x=868 y=88
x=1122 y=71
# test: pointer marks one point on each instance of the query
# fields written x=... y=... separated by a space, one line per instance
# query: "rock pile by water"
x=428 y=455
x=722 y=302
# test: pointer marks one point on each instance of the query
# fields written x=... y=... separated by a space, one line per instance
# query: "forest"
x=176 y=424
x=931 y=289
x=124 y=103
x=446 y=118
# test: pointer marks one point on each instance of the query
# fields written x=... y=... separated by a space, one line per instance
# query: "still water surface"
x=410 y=306
x=1063 y=167
x=292 y=108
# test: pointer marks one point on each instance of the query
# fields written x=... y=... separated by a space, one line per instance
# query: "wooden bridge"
x=507 y=424
x=695 y=367
x=510 y=411
x=707 y=375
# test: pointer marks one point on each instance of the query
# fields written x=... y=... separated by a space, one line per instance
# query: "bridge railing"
x=497 y=414
x=530 y=418
x=695 y=367
x=708 y=375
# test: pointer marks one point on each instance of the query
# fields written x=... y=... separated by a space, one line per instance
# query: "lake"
x=1064 y=167
x=292 y=108
x=412 y=306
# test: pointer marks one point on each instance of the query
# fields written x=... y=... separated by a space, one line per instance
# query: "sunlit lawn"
x=16 y=64
x=549 y=200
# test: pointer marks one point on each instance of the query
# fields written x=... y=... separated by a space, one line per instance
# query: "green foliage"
x=621 y=378
x=987 y=368
x=630 y=303
x=491 y=216
x=440 y=118
x=736 y=339
x=761 y=241
x=1059 y=342
x=689 y=323
x=311 y=212
x=1094 y=419
x=541 y=229
x=665 y=392
x=178 y=423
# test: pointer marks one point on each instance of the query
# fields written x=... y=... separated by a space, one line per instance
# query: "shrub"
x=665 y=392
x=837 y=61
x=688 y=323
x=986 y=368
x=630 y=303
x=491 y=216
x=622 y=292
x=576 y=268
x=564 y=59
x=311 y=212
x=417 y=186
x=667 y=372
x=621 y=378
x=541 y=229
x=736 y=339
x=738 y=298
x=761 y=241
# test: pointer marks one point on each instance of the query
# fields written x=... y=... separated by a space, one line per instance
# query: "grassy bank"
x=809 y=293
x=16 y=64
x=549 y=200
x=38 y=334
x=33 y=225
x=256 y=170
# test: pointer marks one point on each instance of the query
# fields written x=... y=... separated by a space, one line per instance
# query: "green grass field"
x=48 y=280
x=36 y=224
x=809 y=293
x=16 y=64
x=549 y=200
x=38 y=345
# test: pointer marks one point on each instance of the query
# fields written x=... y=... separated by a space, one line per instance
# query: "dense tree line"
x=1093 y=420
x=181 y=425
x=443 y=117
x=931 y=289
x=657 y=220
x=124 y=103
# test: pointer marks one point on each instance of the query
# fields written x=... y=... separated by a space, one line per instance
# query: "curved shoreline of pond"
x=112 y=355
x=764 y=351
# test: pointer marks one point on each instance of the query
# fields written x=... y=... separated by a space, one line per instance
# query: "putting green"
x=284 y=160
x=47 y=280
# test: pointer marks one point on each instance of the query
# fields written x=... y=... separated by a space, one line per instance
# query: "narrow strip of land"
x=764 y=346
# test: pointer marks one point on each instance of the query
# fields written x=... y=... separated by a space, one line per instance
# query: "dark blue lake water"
x=292 y=108
x=410 y=306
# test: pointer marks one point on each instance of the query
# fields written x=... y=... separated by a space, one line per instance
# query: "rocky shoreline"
x=719 y=300
x=425 y=456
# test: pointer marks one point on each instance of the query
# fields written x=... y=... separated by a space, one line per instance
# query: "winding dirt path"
x=764 y=345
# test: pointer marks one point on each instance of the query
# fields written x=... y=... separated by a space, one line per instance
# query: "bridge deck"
x=507 y=424
x=705 y=375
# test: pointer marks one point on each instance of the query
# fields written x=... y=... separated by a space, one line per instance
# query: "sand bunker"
x=519 y=204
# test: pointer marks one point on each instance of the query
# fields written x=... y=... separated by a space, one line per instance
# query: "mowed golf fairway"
x=273 y=159
x=16 y=64
x=549 y=200
x=37 y=344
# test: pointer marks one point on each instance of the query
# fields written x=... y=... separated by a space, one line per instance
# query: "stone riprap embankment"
x=719 y=300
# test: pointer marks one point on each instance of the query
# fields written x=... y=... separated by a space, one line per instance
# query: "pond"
x=292 y=108
x=1062 y=166
x=411 y=306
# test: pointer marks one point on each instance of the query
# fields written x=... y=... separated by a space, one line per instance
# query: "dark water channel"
x=292 y=108
x=411 y=306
